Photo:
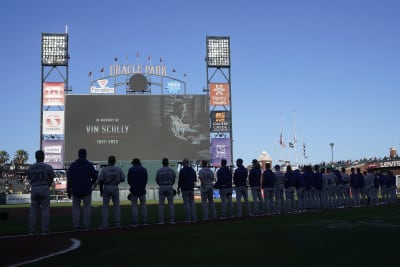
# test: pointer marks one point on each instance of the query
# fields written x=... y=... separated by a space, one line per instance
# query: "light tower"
x=54 y=65
x=218 y=61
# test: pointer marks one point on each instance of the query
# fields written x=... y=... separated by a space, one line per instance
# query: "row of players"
x=272 y=192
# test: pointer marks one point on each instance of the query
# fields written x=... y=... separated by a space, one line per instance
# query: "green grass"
x=346 y=237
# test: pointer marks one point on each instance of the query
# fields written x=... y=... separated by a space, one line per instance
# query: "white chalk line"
x=75 y=244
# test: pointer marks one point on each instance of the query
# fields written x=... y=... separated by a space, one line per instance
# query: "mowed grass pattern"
x=366 y=236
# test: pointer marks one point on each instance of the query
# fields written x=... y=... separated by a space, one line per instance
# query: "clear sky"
x=328 y=68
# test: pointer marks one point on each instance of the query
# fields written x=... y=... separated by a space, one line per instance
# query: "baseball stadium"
x=142 y=111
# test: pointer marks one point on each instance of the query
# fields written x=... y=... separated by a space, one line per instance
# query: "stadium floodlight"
x=218 y=52
x=54 y=49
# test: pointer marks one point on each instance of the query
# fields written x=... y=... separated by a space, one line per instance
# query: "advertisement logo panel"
x=53 y=151
x=220 y=121
x=219 y=94
x=53 y=94
x=220 y=149
x=53 y=122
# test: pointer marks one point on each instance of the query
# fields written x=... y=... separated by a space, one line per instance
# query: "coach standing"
x=40 y=177
x=81 y=177
x=137 y=179
x=224 y=184
x=186 y=180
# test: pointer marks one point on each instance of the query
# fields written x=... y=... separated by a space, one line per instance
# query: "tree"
x=4 y=157
x=21 y=156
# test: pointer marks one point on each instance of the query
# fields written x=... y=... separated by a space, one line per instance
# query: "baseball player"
x=81 y=177
x=165 y=178
x=224 y=181
x=109 y=179
x=240 y=180
x=279 y=190
x=40 y=177
x=206 y=177
x=137 y=179
x=268 y=180
x=255 y=185
x=290 y=182
x=186 y=181
x=346 y=187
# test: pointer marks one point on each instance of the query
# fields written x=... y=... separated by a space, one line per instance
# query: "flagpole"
x=294 y=138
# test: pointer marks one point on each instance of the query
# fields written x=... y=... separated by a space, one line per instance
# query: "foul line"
x=75 y=244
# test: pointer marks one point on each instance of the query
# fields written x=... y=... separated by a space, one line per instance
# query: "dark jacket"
x=255 y=177
x=240 y=176
x=137 y=179
x=268 y=179
x=187 y=178
x=81 y=176
x=224 y=178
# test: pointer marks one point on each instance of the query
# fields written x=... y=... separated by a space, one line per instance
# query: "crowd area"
x=273 y=191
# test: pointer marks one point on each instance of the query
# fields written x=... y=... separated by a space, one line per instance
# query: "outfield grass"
x=346 y=237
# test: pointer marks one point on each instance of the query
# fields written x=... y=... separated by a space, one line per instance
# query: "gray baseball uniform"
x=40 y=177
x=111 y=176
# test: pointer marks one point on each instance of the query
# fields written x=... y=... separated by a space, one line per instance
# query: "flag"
x=281 y=141
x=294 y=139
x=149 y=58
x=160 y=59
x=304 y=150
x=291 y=145
x=102 y=69
x=173 y=70
x=115 y=59
x=90 y=74
x=137 y=54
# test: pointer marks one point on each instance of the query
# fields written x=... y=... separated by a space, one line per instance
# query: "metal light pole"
x=332 y=144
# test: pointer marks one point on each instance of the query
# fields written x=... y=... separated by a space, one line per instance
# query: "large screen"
x=149 y=127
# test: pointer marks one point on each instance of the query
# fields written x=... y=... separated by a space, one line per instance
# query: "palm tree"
x=21 y=156
x=4 y=157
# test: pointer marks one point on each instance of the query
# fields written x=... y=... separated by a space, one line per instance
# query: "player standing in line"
x=361 y=186
x=290 y=182
x=354 y=188
x=370 y=187
x=165 y=178
x=279 y=190
x=324 y=189
x=137 y=179
x=186 y=181
x=224 y=183
x=206 y=177
x=255 y=185
x=81 y=177
x=300 y=186
x=318 y=184
x=109 y=179
x=240 y=181
x=40 y=177
x=308 y=176
x=346 y=188
x=267 y=183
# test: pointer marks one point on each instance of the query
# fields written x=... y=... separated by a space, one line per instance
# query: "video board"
x=149 y=127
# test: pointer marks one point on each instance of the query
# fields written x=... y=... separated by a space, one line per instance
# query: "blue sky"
x=331 y=68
